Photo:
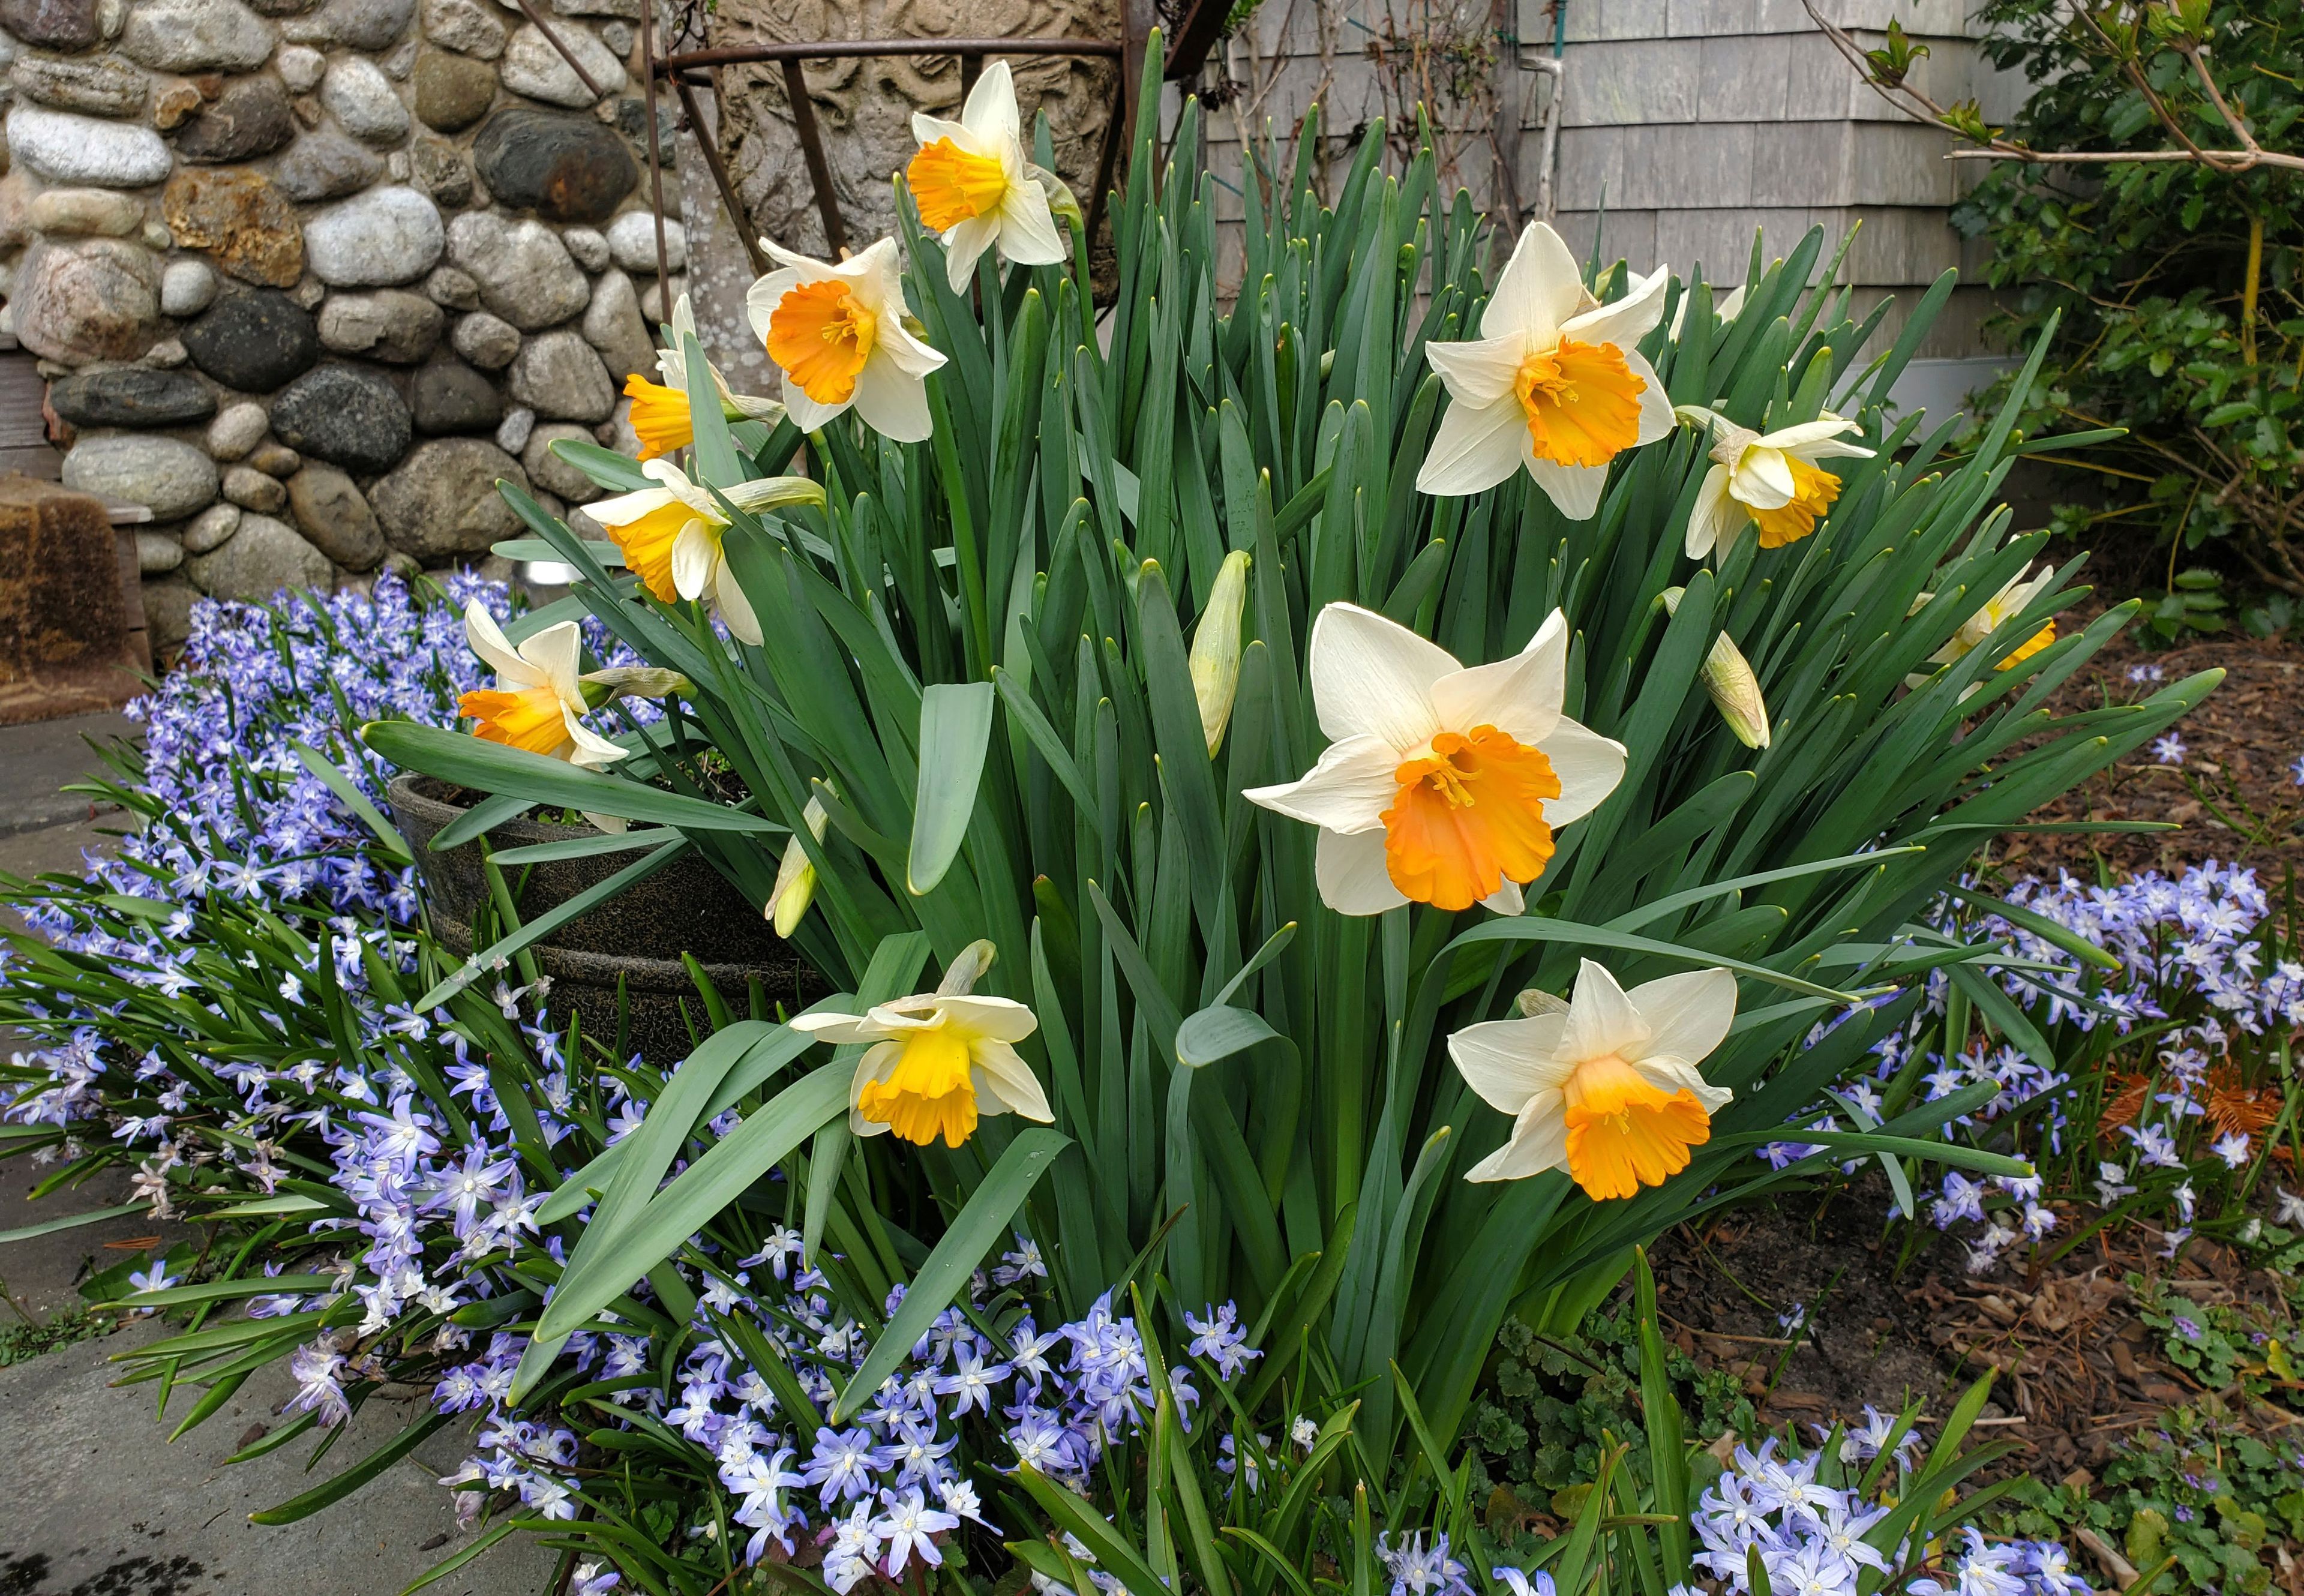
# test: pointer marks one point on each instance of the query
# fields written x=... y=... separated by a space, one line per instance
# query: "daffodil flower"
x=973 y=184
x=1998 y=610
x=1769 y=478
x=660 y=415
x=1550 y=383
x=837 y=333
x=538 y=703
x=1606 y=1084
x=671 y=535
x=1441 y=784
x=937 y=1062
x=795 y=884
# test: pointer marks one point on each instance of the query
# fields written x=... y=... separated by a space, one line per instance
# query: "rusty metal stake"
x=591 y=84
x=819 y=170
x=971 y=67
x=709 y=143
x=656 y=156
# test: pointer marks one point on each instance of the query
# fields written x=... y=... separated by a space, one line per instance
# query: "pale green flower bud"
x=1061 y=203
x=795 y=886
x=1216 y=649
x=631 y=681
x=1730 y=681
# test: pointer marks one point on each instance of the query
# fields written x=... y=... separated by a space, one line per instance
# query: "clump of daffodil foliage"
x=1334 y=814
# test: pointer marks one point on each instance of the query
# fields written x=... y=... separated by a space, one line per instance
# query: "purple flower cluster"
x=1819 y=1539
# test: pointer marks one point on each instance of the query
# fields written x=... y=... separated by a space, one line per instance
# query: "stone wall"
x=306 y=279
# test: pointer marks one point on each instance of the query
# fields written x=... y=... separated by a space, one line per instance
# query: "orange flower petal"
x=528 y=718
x=1468 y=817
x=1582 y=403
x=1624 y=1132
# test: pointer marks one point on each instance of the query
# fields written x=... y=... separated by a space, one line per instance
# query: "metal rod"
x=709 y=143
x=971 y=67
x=656 y=156
x=837 y=49
x=1107 y=162
x=811 y=144
x=592 y=84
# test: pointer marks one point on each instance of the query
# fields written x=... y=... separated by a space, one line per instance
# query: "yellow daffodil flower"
x=937 y=1062
x=1770 y=479
x=660 y=415
x=538 y=703
x=671 y=535
x=1549 y=385
x=838 y=335
x=973 y=184
x=1441 y=784
x=1606 y=1084
x=1998 y=610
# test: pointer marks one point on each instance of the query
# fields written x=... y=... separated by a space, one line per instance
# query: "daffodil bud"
x=631 y=681
x=795 y=886
x=1216 y=649
x=1730 y=681
x=961 y=976
x=1062 y=201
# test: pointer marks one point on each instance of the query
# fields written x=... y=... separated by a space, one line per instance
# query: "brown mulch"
x=2234 y=797
x=2078 y=1371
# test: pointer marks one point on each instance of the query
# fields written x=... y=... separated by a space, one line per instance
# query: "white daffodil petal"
x=810 y=416
x=1538 y=290
x=488 y=641
x=907 y=354
x=1601 y=1019
x=1350 y=874
x=735 y=608
x=695 y=552
x=1762 y=477
x=553 y=653
x=1482 y=371
x=1347 y=789
x=592 y=750
x=1509 y=1061
x=991 y=110
x=1672 y=1074
x=1001 y=1018
x=929 y=128
x=1589 y=766
x=1656 y=419
x=1574 y=490
x=1373 y=677
x=892 y=404
x=1507 y=899
x=964 y=245
x=1010 y=1081
x=1029 y=234
x=1538 y=1142
x=1711 y=519
x=1520 y=696
x=1629 y=319
x=1475 y=447
x=1688 y=1014
x=1799 y=439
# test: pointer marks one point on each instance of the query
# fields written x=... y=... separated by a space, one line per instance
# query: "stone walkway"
x=97 y=1502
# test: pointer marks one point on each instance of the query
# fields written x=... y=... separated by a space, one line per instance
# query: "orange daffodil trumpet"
x=838 y=334
x=1769 y=478
x=973 y=184
x=1605 y=1085
x=1552 y=383
x=671 y=535
x=1441 y=783
x=935 y=1063
x=660 y=416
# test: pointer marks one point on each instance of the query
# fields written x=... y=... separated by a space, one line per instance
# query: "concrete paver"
x=39 y=759
x=99 y=1503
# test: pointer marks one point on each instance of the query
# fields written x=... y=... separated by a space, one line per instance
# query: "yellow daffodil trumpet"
x=1605 y=1085
x=937 y=1063
x=1441 y=783
x=538 y=700
x=660 y=416
x=671 y=535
